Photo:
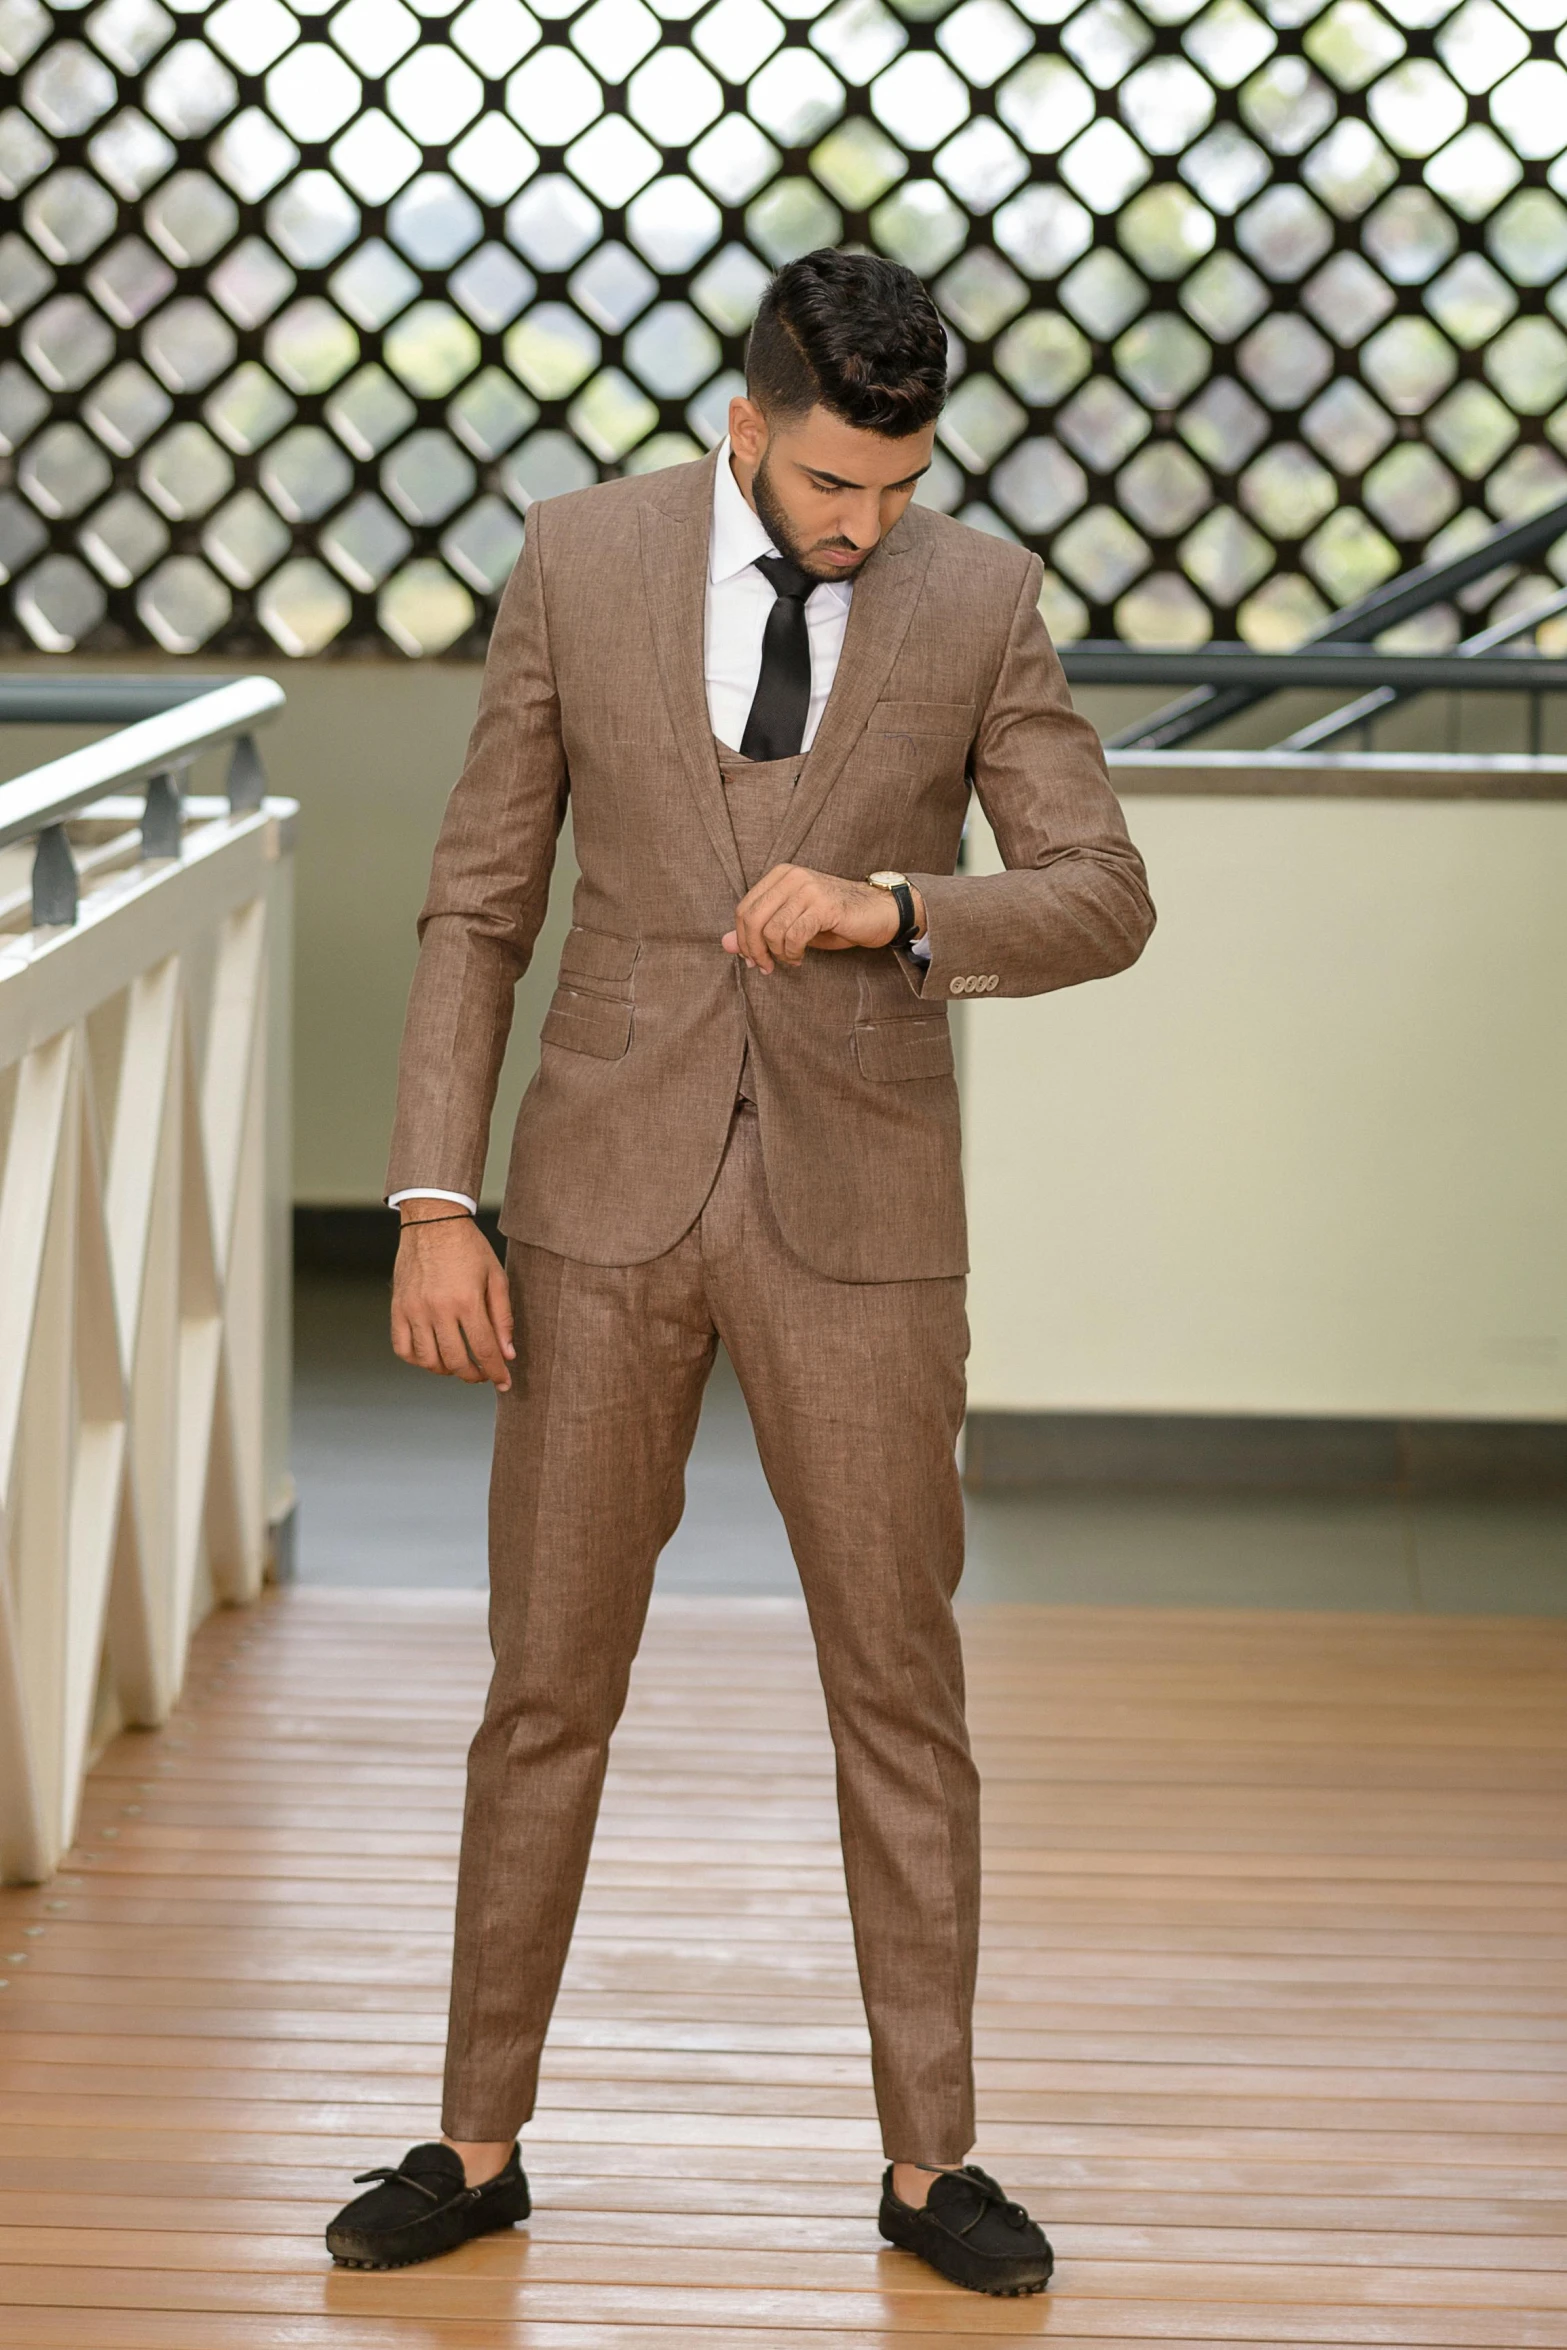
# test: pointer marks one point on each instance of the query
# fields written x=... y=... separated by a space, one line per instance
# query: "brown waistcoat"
x=756 y=795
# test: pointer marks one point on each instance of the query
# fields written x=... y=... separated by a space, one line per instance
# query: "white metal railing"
x=144 y=950
x=1286 y=773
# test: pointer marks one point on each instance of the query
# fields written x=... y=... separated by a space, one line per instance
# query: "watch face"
x=886 y=880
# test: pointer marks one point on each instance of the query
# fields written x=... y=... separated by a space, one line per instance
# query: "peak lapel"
x=882 y=607
x=674 y=536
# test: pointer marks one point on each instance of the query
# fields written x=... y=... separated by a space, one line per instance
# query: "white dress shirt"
x=739 y=598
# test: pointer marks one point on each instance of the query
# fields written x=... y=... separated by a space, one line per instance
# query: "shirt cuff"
x=919 y=948
x=460 y=1198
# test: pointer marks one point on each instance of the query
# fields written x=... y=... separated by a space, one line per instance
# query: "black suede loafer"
x=423 y=2208
x=971 y=2233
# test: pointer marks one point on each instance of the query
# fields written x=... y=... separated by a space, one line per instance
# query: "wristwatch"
x=897 y=885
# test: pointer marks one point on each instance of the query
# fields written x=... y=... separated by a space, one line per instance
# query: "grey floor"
x=392 y=1466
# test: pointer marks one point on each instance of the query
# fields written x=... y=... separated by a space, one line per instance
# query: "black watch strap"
x=908 y=920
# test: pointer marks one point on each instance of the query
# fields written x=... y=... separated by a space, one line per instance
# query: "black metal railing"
x=1226 y=679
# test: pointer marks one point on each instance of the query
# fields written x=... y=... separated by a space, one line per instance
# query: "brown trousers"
x=856 y=1394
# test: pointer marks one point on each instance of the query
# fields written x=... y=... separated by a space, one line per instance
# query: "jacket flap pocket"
x=949 y=718
x=597 y=958
x=593 y=1024
x=891 y=1049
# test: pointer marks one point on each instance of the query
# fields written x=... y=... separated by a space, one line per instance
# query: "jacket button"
x=957 y=986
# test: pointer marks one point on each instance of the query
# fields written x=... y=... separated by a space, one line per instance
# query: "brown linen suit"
x=817 y=1227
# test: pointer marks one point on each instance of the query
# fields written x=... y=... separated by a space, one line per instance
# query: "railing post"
x=56 y=888
x=163 y=816
x=247 y=779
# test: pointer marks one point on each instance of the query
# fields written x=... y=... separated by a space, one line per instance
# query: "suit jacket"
x=594 y=690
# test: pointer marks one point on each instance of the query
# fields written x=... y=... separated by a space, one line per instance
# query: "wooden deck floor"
x=1273 y=2029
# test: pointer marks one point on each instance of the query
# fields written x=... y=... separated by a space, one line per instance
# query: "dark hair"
x=856 y=333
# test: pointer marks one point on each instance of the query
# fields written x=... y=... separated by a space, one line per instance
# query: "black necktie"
x=776 y=726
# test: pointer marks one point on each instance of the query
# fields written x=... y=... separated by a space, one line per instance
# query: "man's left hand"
x=792 y=908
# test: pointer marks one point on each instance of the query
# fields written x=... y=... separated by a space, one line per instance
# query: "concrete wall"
x=1310 y=1156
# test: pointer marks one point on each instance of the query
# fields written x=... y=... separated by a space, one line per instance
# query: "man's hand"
x=451 y=1312
x=793 y=908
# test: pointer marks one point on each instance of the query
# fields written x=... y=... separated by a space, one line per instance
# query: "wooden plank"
x=262 y=2237
x=156 y=2100
x=159 y=2206
x=849 y=2260
x=906 y=2306
x=133 y=2330
x=1038 y=2062
x=348 y=2041
x=286 y=2237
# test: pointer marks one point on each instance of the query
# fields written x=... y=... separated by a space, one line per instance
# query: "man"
x=767 y=683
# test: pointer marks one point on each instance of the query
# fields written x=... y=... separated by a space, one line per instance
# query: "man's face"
x=826 y=492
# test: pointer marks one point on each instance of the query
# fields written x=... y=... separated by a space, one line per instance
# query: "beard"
x=787 y=539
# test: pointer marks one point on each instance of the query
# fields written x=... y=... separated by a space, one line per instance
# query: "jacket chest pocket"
x=890 y=1051
x=933 y=726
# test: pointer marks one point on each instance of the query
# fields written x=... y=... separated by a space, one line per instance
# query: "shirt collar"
x=738 y=534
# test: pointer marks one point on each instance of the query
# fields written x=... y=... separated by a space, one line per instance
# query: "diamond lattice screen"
x=1252 y=304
